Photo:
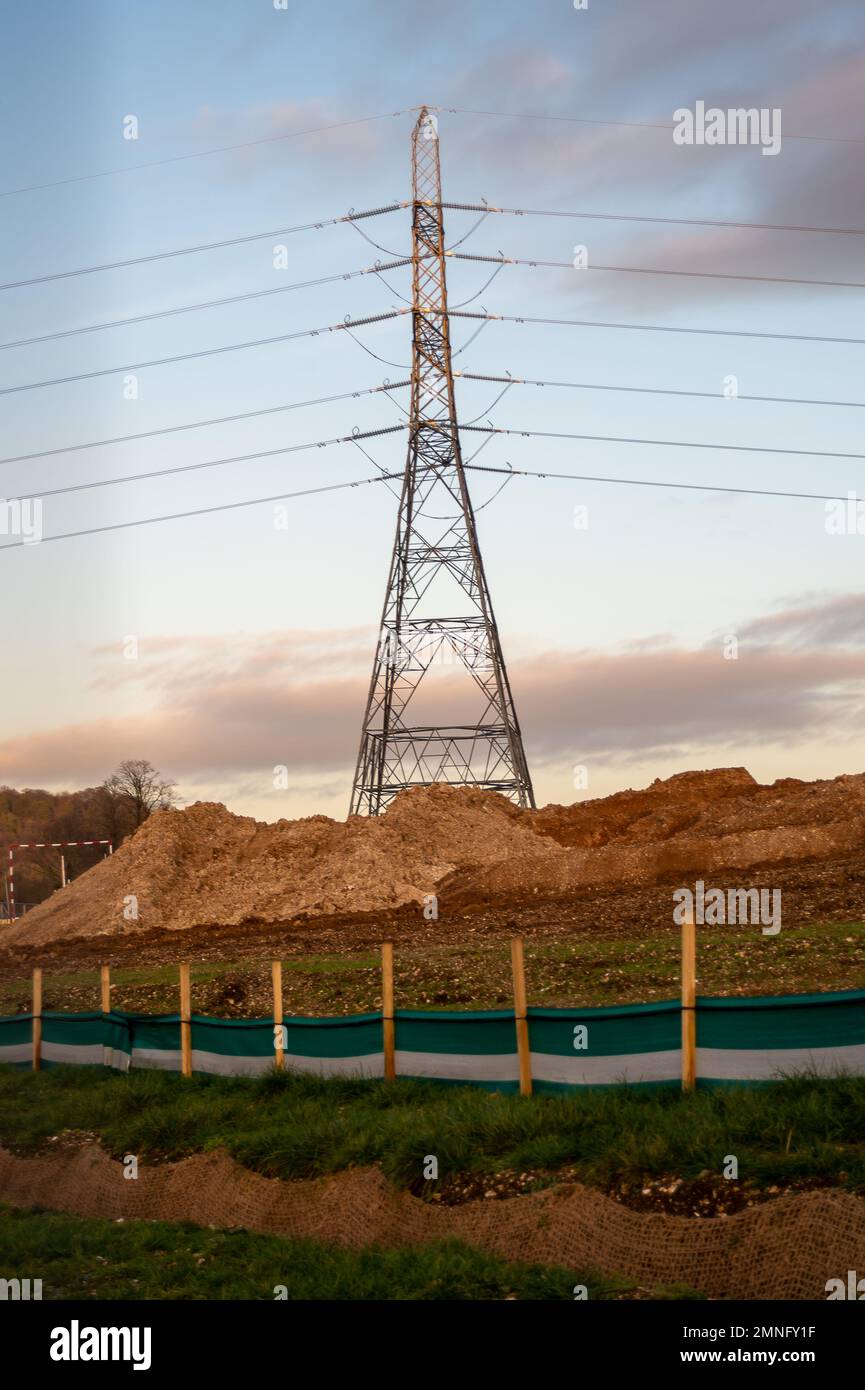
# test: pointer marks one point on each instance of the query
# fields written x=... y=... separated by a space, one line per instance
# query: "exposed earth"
x=212 y=886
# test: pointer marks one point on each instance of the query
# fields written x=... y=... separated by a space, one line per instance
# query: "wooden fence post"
x=689 y=1003
x=387 y=1020
x=185 y=1020
x=279 y=1049
x=522 y=1024
x=105 y=977
x=37 y=1018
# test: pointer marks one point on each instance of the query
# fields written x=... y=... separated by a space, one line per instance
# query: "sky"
x=676 y=629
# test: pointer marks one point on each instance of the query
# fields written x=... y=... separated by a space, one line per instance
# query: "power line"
x=204 y=304
x=367 y=120
x=655 y=482
x=389 y=477
x=212 y=463
x=653 y=328
x=400 y=366
x=350 y=217
x=205 y=352
x=638 y=125
x=668 y=443
x=350 y=324
x=376 y=269
x=377 y=244
x=490 y=430
x=200 y=424
x=203 y=511
x=652 y=391
x=665 y=221
x=201 y=154
x=354 y=217
x=651 y=270
x=399 y=385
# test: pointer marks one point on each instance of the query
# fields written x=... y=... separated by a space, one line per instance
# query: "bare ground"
x=588 y=886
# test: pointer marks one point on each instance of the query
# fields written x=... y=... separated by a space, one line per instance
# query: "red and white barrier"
x=42 y=844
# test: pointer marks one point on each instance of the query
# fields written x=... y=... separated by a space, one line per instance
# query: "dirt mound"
x=664 y=809
x=709 y=805
x=204 y=866
x=787 y=1248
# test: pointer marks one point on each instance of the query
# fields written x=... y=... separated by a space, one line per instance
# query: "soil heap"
x=203 y=865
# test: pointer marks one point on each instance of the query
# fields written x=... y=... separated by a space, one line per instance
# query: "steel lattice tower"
x=436 y=540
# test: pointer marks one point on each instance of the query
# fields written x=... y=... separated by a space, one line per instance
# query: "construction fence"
x=695 y=1041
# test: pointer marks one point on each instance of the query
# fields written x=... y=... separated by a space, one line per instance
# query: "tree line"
x=111 y=811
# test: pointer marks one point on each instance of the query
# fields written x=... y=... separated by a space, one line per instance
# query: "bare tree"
x=142 y=787
x=114 y=812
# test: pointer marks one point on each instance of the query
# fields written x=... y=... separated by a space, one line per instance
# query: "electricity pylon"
x=436 y=547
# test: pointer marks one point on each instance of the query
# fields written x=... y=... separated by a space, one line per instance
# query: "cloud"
x=619 y=62
x=178 y=664
x=522 y=70
x=229 y=712
x=620 y=705
x=336 y=133
x=809 y=63
x=837 y=622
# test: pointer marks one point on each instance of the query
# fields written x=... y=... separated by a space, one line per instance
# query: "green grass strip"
x=78 y=1258
x=289 y=1125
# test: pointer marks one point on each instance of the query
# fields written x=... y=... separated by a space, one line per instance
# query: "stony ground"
x=613 y=948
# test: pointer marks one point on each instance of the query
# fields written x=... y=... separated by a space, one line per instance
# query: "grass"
x=78 y=1258
x=587 y=968
x=294 y=1126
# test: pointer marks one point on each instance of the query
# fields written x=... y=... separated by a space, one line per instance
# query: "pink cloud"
x=256 y=704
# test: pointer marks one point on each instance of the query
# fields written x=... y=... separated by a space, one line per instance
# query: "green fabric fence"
x=738 y=1040
x=760 y=1038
